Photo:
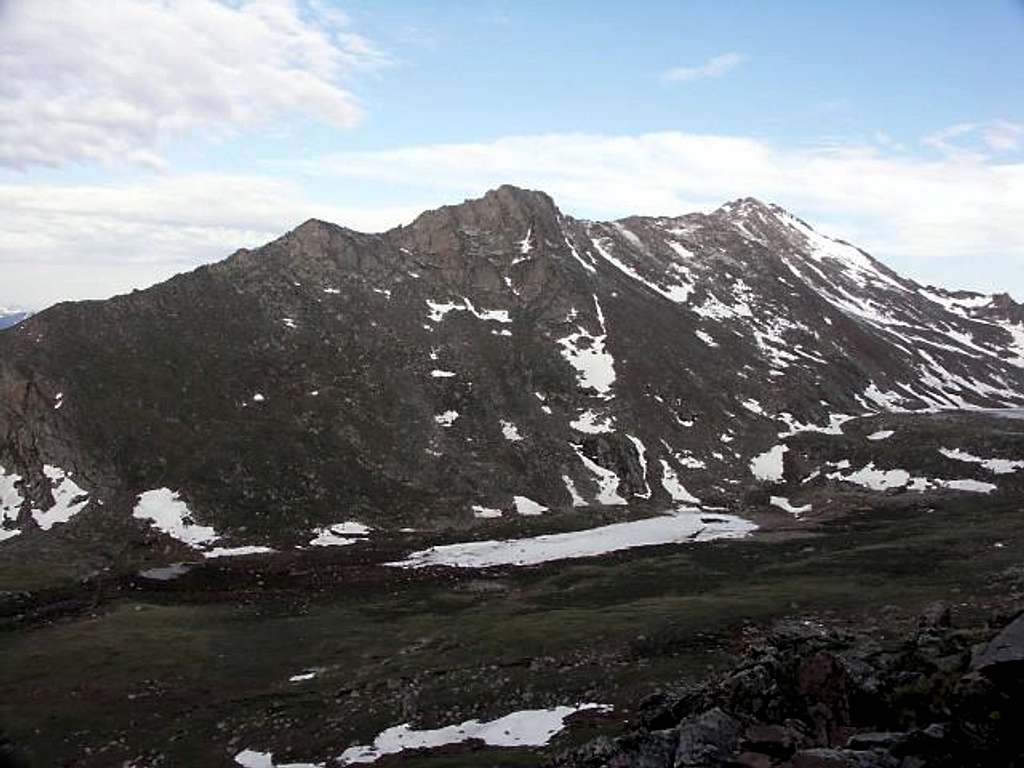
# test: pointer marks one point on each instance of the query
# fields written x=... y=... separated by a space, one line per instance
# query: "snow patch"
x=11 y=502
x=243 y=551
x=527 y=728
x=250 y=758
x=592 y=424
x=783 y=503
x=674 y=488
x=641 y=452
x=68 y=498
x=510 y=431
x=995 y=466
x=882 y=434
x=570 y=486
x=684 y=526
x=586 y=353
x=167 y=513
x=485 y=512
x=768 y=466
x=607 y=481
x=339 y=534
x=447 y=418
x=527 y=506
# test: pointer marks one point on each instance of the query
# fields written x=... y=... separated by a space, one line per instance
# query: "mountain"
x=9 y=317
x=490 y=358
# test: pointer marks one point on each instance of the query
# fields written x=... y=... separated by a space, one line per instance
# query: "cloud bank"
x=115 y=81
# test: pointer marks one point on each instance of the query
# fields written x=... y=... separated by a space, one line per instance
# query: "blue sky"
x=214 y=125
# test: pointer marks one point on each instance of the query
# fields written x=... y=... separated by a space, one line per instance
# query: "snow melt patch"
x=169 y=514
x=339 y=534
x=674 y=488
x=485 y=512
x=68 y=498
x=641 y=452
x=995 y=466
x=510 y=432
x=607 y=481
x=586 y=353
x=447 y=418
x=437 y=373
x=242 y=551
x=570 y=486
x=439 y=309
x=706 y=338
x=11 y=502
x=592 y=424
x=525 y=246
x=527 y=506
x=783 y=503
x=527 y=728
x=678 y=292
x=250 y=758
x=876 y=479
x=794 y=427
x=753 y=406
x=684 y=526
x=768 y=466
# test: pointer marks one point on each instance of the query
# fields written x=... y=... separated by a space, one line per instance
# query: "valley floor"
x=306 y=656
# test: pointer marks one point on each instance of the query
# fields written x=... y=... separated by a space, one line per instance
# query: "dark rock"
x=824 y=684
x=775 y=740
x=708 y=738
x=935 y=616
x=750 y=760
x=876 y=740
x=843 y=758
x=1006 y=650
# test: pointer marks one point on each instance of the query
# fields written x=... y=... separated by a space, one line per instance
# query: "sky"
x=141 y=138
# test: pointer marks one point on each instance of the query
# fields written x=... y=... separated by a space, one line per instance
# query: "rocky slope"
x=807 y=696
x=490 y=358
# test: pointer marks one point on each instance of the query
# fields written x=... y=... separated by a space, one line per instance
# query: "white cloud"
x=978 y=139
x=926 y=216
x=891 y=203
x=114 y=81
x=92 y=241
x=716 y=66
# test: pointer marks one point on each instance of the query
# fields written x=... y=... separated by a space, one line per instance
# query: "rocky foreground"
x=807 y=696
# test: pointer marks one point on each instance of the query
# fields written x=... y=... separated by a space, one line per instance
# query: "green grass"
x=196 y=680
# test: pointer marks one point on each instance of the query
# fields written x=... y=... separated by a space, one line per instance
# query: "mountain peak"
x=503 y=205
x=746 y=206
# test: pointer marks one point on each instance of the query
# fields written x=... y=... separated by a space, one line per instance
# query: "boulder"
x=1005 y=650
x=707 y=739
x=935 y=616
x=776 y=740
x=843 y=758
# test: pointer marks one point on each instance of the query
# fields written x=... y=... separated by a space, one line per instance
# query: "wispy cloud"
x=977 y=138
x=115 y=81
x=920 y=214
x=892 y=202
x=716 y=66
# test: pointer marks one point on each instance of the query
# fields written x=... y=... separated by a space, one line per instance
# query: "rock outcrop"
x=811 y=697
